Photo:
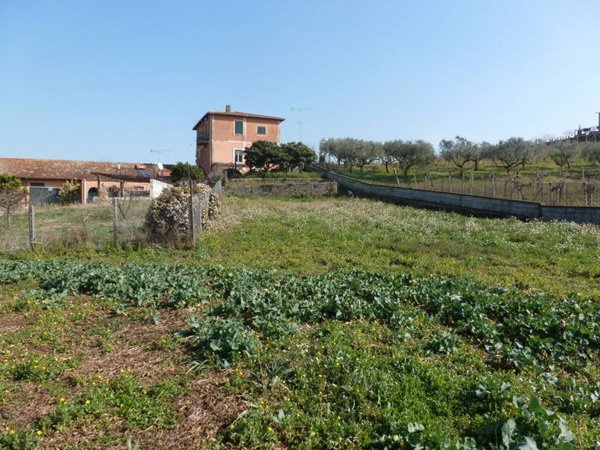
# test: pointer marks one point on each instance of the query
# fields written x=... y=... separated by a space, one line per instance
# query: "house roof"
x=237 y=114
x=57 y=169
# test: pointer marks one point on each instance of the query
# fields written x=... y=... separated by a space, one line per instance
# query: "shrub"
x=114 y=191
x=168 y=219
x=184 y=171
x=70 y=192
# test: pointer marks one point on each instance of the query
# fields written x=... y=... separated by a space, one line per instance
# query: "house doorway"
x=92 y=194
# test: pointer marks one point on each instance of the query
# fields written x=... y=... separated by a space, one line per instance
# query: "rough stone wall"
x=248 y=187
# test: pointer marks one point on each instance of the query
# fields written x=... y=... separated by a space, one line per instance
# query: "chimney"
x=227 y=108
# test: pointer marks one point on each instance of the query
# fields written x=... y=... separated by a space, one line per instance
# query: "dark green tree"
x=265 y=155
x=300 y=155
x=185 y=171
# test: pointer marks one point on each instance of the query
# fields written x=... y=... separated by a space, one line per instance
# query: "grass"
x=83 y=371
x=310 y=236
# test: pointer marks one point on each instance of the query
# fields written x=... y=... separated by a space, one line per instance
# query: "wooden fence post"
x=31 y=217
x=114 y=217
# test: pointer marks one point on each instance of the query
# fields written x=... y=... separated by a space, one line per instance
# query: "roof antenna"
x=299 y=122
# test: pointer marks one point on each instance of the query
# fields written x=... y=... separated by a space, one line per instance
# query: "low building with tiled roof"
x=222 y=137
x=45 y=177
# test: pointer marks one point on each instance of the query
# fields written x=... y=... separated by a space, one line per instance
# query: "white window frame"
x=235 y=161
x=243 y=127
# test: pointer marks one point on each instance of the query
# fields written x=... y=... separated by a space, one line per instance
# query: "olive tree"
x=327 y=148
x=460 y=151
x=367 y=152
x=11 y=194
x=591 y=152
x=510 y=153
x=409 y=154
x=562 y=152
x=346 y=151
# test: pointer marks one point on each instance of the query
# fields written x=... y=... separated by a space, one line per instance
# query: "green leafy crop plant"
x=530 y=344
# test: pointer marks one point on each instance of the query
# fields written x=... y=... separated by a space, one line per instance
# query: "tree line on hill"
x=508 y=154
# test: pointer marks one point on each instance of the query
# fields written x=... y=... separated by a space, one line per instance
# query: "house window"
x=239 y=127
x=261 y=130
x=239 y=156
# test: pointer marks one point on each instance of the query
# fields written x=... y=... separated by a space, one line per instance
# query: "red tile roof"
x=237 y=114
x=57 y=169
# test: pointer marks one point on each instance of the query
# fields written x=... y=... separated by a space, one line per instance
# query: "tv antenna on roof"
x=299 y=122
x=160 y=150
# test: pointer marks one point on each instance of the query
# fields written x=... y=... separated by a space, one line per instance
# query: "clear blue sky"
x=111 y=80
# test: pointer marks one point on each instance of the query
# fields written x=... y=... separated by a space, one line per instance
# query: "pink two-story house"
x=222 y=137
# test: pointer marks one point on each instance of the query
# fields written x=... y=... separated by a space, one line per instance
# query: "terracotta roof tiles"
x=26 y=168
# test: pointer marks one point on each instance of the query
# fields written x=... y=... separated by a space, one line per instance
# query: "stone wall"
x=280 y=187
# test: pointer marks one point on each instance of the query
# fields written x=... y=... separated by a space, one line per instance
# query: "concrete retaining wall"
x=579 y=214
x=470 y=204
x=280 y=187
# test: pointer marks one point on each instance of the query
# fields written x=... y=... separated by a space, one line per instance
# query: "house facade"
x=45 y=177
x=222 y=137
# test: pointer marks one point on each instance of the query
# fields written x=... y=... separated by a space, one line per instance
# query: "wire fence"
x=566 y=190
x=95 y=224
x=561 y=191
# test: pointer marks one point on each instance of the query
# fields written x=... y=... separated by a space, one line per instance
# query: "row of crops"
x=551 y=340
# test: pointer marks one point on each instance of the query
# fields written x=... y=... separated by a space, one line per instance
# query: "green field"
x=307 y=323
